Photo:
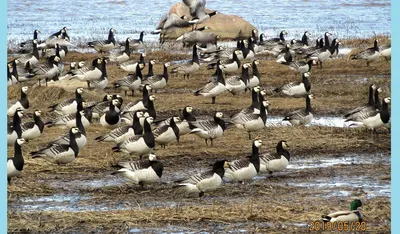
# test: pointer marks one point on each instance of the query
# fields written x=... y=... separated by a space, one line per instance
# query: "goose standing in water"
x=142 y=172
x=204 y=181
x=303 y=116
x=15 y=164
x=277 y=161
x=104 y=45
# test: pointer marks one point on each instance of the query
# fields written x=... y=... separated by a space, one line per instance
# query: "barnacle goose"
x=166 y=134
x=142 y=172
x=237 y=84
x=204 y=181
x=296 y=89
x=158 y=81
x=213 y=87
x=190 y=67
x=68 y=106
x=15 y=164
x=303 y=116
x=14 y=130
x=111 y=118
x=130 y=82
x=69 y=120
x=60 y=153
x=246 y=168
x=130 y=66
x=277 y=161
x=32 y=130
x=209 y=129
x=104 y=45
x=22 y=103
x=370 y=54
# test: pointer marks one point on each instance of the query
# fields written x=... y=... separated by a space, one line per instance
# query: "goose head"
x=21 y=141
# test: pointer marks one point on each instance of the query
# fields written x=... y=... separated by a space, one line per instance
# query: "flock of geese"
x=134 y=127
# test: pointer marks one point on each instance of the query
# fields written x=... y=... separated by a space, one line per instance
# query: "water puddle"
x=323 y=121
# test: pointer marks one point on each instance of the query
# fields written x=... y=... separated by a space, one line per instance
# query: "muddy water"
x=341 y=184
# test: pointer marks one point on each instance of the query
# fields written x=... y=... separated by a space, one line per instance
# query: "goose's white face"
x=75 y=130
x=288 y=45
x=285 y=145
x=257 y=89
x=141 y=65
x=113 y=30
x=245 y=66
x=308 y=34
x=20 y=113
x=150 y=120
x=38 y=113
x=57 y=59
x=35 y=41
x=24 y=89
x=238 y=52
x=72 y=65
x=293 y=41
x=258 y=143
x=109 y=97
x=263 y=92
x=307 y=74
x=221 y=66
x=311 y=96
x=115 y=102
x=328 y=34
x=37 y=31
x=79 y=90
x=139 y=114
x=373 y=86
x=84 y=104
x=226 y=164
x=167 y=64
x=189 y=109
x=379 y=90
x=9 y=66
x=265 y=103
x=21 y=141
x=387 y=100
x=153 y=62
x=152 y=157
x=219 y=115
x=144 y=54
x=152 y=97
x=256 y=62
x=177 y=119
x=284 y=32
x=82 y=112
x=146 y=114
x=128 y=39
x=81 y=64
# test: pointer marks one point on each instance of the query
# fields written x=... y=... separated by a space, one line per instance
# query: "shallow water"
x=323 y=121
x=88 y=20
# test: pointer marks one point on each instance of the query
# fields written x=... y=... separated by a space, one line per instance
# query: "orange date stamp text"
x=337 y=226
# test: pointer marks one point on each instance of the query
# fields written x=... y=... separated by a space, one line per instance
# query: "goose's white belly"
x=274 y=165
x=166 y=137
x=31 y=133
x=246 y=173
x=11 y=170
x=147 y=175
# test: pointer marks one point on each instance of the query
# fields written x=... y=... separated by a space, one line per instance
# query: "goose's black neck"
x=255 y=69
x=18 y=158
x=308 y=104
x=306 y=82
x=148 y=135
x=377 y=101
x=245 y=75
x=220 y=122
x=165 y=73
x=150 y=109
x=127 y=49
x=38 y=122
x=218 y=168
x=220 y=77
x=17 y=124
x=141 y=37
x=254 y=99
x=385 y=114
x=35 y=51
x=78 y=97
x=145 y=98
x=35 y=35
x=157 y=167
x=79 y=125
x=187 y=116
x=24 y=100
x=281 y=151
x=236 y=59
x=150 y=72
x=174 y=127
x=255 y=157
x=326 y=41
x=111 y=37
x=371 y=96
x=304 y=39
x=282 y=36
x=72 y=143
x=195 y=58
x=137 y=127
x=138 y=72
x=263 y=113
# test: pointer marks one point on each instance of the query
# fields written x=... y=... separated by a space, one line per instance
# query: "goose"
x=249 y=121
x=376 y=118
x=99 y=108
x=246 y=168
x=46 y=71
x=15 y=164
x=103 y=81
x=104 y=45
x=22 y=103
x=254 y=79
x=74 y=69
x=111 y=118
x=142 y=172
x=32 y=130
x=296 y=90
x=214 y=87
x=150 y=72
x=336 y=51
x=14 y=130
x=166 y=134
x=370 y=54
x=209 y=129
x=158 y=81
x=138 y=145
x=303 y=116
x=68 y=106
x=198 y=11
x=57 y=50
x=69 y=120
x=58 y=37
x=386 y=51
x=302 y=52
x=303 y=43
x=189 y=68
x=138 y=43
x=122 y=56
x=204 y=181
x=285 y=55
x=248 y=52
x=150 y=106
x=300 y=66
x=90 y=73
x=231 y=65
x=351 y=115
x=275 y=162
x=323 y=54
x=131 y=82
x=130 y=66
x=274 y=41
x=122 y=133
x=237 y=84
x=60 y=154
x=33 y=58
x=80 y=138
x=12 y=73
x=183 y=125
x=352 y=215
x=140 y=103
x=199 y=36
x=171 y=20
x=26 y=46
x=254 y=108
